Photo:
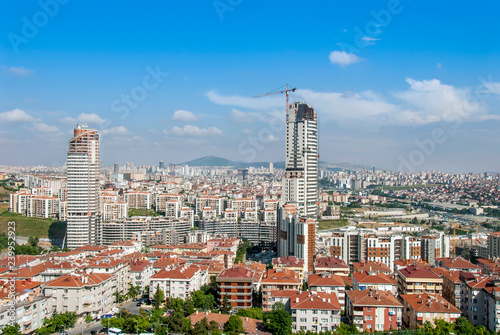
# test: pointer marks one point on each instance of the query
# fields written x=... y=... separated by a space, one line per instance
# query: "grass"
x=26 y=226
x=143 y=212
x=329 y=224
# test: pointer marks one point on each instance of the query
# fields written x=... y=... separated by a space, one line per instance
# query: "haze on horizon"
x=391 y=81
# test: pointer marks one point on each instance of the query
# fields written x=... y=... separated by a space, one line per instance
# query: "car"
x=64 y=333
x=139 y=304
x=93 y=332
x=135 y=299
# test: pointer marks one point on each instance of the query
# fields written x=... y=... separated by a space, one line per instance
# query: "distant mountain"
x=219 y=161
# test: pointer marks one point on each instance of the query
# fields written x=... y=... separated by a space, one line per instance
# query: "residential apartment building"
x=178 y=282
x=139 y=200
x=236 y=285
x=423 y=307
x=29 y=314
x=290 y=263
x=83 y=167
x=300 y=184
x=372 y=310
x=277 y=280
x=333 y=265
x=327 y=282
x=82 y=293
x=43 y=207
x=413 y=279
x=435 y=246
x=140 y=273
x=315 y=311
x=375 y=281
x=472 y=296
x=214 y=203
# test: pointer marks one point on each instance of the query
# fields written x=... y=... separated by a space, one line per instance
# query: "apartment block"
x=214 y=203
x=413 y=279
x=333 y=265
x=139 y=200
x=82 y=293
x=327 y=282
x=420 y=308
x=372 y=310
x=43 y=207
x=236 y=284
x=315 y=311
x=178 y=282
x=375 y=281
x=277 y=280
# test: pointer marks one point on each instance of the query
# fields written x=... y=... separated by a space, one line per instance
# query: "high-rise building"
x=161 y=165
x=116 y=168
x=83 y=188
x=300 y=184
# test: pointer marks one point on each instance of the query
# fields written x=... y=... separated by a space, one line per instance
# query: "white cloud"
x=367 y=40
x=492 y=87
x=45 y=128
x=16 y=115
x=247 y=117
x=119 y=130
x=343 y=58
x=431 y=101
x=19 y=71
x=271 y=138
x=190 y=130
x=68 y=120
x=246 y=102
x=90 y=118
x=185 y=116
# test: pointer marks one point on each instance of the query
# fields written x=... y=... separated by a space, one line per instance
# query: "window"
x=303 y=319
x=369 y=309
x=368 y=317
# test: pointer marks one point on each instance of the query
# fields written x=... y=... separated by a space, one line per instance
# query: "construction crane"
x=279 y=92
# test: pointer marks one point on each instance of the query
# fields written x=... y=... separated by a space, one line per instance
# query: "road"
x=86 y=329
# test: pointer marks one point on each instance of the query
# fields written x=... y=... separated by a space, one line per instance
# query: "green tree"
x=254 y=313
x=188 y=307
x=344 y=329
x=226 y=305
x=11 y=330
x=175 y=323
x=33 y=241
x=214 y=326
x=159 y=297
x=201 y=327
x=88 y=318
x=278 y=322
x=234 y=325
x=462 y=326
x=198 y=298
x=209 y=302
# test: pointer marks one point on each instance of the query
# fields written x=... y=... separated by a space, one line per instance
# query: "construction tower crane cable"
x=287 y=90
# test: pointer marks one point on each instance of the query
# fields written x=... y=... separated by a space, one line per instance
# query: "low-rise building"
x=372 y=310
x=423 y=307
x=375 y=281
x=235 y=284
x=413 y=279
x=277 y=279
x=290 y=263
x=327 y=282
x=333 y=265
x=178 y=282
x=315 y=311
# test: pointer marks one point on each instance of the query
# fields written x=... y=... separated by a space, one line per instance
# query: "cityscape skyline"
x=381 y=86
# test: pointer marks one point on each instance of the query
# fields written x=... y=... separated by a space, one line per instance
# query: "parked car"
x=139 y=304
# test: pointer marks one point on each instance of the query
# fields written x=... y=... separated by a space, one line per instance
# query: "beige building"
x=420 y=308
x=413 y=279
x=82 y=293
x=139 y=200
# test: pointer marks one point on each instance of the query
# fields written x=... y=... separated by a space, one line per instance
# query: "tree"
x=214 y=326
x=234 y=325
x=11 y=330
x=463 y=326
x=278 y=322
x=254 y=313
x=88 y=319
x=226 y=306
x=344 y=329
x=201 y=327
x=465 y=254
x=33 y=241
x=209 y=302
x=188 y=307
x=159 y=297
x=175 y=323
x=198 y=298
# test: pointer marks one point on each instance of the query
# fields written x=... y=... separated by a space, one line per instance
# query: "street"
x=86 y=329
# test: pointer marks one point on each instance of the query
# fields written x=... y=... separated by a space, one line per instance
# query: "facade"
x=333 y=265
x=327 y=282
x=314 y=311
x=413 y=279
x=300 y=184
x=29 y=314
x=494 y=245
x=374 y=281
x=82 y=293
x=43 y=207
x=236 y=284
x=140 y=273
x=297 y=237
x=290 y=263
x=451 y=287
x=372 y=310
x=420 y=308
x=472 y=296
x=139 y=200
x=83 y=166
x=277 y=280
x=178 y=282
x=435 y=246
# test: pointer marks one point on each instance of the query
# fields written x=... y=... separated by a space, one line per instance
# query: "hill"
x=219 y=161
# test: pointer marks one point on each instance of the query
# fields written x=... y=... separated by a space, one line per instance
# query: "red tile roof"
x=373 y=298
x=325 y=279
x=315 y=300
x=289 y=261
x=372 y=278
x=371 y=266
x=330 y=262
x=417 y=272
x=79 y=280
x=236 y=273
x=427 y=303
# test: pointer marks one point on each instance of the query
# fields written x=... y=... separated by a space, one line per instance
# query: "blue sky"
x=409 y=85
